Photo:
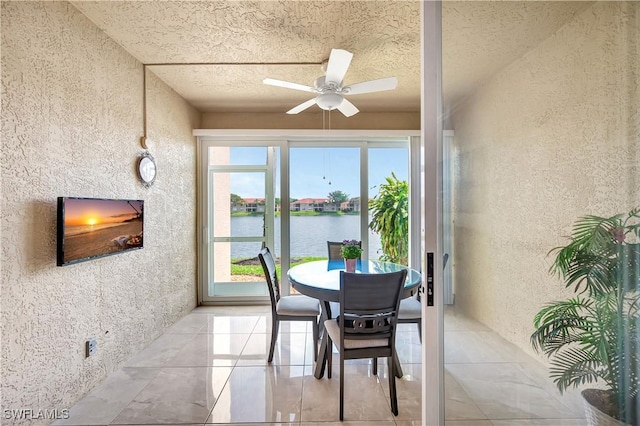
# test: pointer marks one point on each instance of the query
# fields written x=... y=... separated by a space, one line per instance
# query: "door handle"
x=430 y=279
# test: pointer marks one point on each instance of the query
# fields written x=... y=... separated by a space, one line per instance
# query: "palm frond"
x=634 y=228
x=559 y=323
x=574 y=367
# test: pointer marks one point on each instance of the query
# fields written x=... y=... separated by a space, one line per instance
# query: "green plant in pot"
x=593 y=337
x=350 y=249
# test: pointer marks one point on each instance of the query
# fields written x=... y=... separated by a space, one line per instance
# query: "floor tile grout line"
x=558 y=398
x=536 y=384
x=139 y=392
x=256 y=324
x=473 y=401
x=207 y=367
x=302 y=387
x=221 y=390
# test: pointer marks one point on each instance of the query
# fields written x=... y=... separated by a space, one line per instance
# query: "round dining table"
x=321 y=280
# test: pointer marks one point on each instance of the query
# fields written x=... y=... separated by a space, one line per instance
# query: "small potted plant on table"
x=594 y=337
x=351 y=251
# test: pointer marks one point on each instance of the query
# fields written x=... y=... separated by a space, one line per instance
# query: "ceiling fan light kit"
x=329 y=101
x=329 y=88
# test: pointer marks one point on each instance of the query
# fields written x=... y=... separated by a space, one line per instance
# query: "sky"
x=89 y=211
x=315 y=172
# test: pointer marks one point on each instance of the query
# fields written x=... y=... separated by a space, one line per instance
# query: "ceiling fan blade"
x=302 y=106
x=288 y=85
x=347 y=108
x=339 y=61
x=379 y=85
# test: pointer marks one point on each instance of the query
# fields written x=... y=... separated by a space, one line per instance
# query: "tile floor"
x=210 y=368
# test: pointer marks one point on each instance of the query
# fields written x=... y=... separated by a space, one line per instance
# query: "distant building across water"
x=257 y=205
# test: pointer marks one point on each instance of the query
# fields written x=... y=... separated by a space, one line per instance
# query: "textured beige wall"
x=71 y=121
x=312 y=120
x=552 y=137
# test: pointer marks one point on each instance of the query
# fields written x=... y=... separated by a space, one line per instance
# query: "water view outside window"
x=325 y=199
x=325 y=205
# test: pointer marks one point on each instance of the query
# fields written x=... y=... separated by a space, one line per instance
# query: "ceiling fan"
x=329 y=88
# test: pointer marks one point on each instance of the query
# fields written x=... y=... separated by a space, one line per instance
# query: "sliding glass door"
x=241 y=220
x=293 y=196
x=330 y=185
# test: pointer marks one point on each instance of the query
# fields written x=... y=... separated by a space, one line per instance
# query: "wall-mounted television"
x=89 y=228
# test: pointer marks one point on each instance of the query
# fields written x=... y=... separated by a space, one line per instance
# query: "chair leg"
x=274 y=335
x=315 y=340
x=341 y=387
x=329 y=356
x=396 y=364
x=420 y=329
x=392 y=386
x=375 y=366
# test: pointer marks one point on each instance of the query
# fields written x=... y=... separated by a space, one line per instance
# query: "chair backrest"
x=369 y=305
x=334 y=247
x=269 y=268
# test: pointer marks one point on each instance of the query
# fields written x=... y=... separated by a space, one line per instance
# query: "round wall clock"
x=147 y=169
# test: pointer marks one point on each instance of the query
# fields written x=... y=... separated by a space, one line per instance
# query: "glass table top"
x=325 y=274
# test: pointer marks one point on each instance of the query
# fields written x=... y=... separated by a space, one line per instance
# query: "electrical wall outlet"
x=91 y=346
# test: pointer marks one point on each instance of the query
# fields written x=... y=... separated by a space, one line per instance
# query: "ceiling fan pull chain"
x=329 y=154
x=324 y=158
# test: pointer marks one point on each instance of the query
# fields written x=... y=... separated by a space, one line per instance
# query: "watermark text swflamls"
x=35 y=414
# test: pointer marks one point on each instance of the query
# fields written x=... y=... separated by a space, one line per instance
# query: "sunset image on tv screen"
x=95 y=227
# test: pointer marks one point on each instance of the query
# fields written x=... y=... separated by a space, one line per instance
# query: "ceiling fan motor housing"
x=322 y=85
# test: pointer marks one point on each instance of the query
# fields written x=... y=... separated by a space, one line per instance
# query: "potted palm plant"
x=593 y=337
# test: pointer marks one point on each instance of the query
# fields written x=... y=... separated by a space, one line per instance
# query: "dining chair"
x=287 y=308
x=333 y=248
x=366 y=326
x=411 y=307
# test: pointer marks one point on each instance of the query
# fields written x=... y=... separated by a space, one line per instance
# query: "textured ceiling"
x=247 y=38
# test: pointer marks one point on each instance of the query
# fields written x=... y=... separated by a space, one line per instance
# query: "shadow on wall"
x=39 y=239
